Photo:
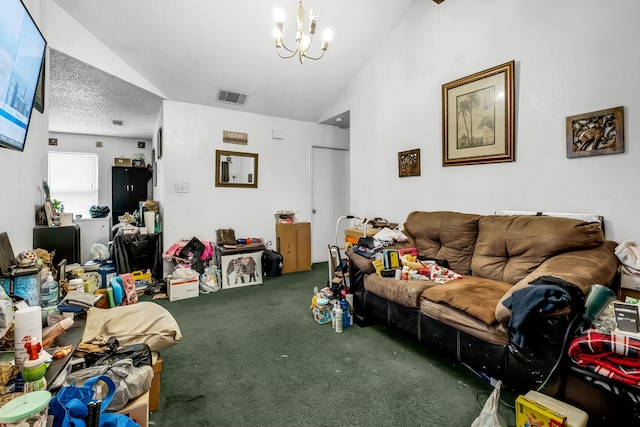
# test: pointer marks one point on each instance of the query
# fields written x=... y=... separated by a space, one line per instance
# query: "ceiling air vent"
x=232 y=97
x=117 y=122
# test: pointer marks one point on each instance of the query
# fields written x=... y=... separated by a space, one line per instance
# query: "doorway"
x=329 y=198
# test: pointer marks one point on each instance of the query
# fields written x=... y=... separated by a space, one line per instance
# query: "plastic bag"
x=208 y=281
x=100 y=252
x=130 y=382
x=489 y=416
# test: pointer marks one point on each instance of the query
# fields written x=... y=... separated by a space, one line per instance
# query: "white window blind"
x=73 y=179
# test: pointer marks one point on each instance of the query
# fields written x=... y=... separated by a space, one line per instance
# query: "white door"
x=329 y=198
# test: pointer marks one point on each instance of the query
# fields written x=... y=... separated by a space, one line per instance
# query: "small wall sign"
x=231 y=137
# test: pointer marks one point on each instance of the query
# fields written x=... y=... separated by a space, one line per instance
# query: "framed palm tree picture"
x=478 y=116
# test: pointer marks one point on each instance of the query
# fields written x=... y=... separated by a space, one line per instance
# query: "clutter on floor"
x=78 y=331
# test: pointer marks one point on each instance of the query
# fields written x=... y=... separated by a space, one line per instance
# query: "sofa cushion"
x=495 y=333
x=476 y=296
x=403 y=292
x=508 y=248
x=583 y=268
x=444 y=235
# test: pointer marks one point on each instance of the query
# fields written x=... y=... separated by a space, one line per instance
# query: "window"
x=73 y=180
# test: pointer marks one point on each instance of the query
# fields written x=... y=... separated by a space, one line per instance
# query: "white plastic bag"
x=489 y=416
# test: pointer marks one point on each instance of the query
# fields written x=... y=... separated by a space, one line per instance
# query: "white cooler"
x=575 y=417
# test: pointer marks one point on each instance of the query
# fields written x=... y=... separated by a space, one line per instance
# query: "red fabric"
x=613 y=356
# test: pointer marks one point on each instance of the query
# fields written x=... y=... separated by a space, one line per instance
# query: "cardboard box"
x=138 y=410
x=630 y=281
x=154 y=391
x=529 y=413
x=356 y=232
x=293 y=241
x=122 y=162
x=179 y=289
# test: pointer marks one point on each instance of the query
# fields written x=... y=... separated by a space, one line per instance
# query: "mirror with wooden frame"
x=236 y=169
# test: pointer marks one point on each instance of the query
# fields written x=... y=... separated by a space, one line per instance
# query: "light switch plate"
x=183 y=187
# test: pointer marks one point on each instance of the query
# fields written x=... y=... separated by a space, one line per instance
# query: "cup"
x=598 y=298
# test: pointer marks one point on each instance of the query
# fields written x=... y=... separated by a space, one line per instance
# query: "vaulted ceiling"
x=190 y=49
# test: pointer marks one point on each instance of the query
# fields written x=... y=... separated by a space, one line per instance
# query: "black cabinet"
x=64 y=240
x=128 y=189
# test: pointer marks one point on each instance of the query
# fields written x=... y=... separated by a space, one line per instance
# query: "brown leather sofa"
x=502 y=259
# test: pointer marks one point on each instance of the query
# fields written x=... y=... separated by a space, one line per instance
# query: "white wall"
x=191 y=136
x=572 y=57
x=21 y=172
x=111 y=147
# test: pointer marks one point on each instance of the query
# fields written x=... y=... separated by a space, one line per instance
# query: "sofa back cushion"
x=510 y=247
x=444 y=235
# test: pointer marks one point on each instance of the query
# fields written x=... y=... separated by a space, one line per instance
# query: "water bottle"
x=346 y=314
x=49 y=292
x=338 y=316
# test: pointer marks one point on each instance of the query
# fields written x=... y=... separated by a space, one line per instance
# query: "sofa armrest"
x=364 y=264
x=583 y=268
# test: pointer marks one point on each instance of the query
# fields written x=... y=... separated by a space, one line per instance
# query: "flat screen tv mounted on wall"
x=22 y=50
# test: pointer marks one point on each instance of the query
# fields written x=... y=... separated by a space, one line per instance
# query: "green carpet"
x=253 y=356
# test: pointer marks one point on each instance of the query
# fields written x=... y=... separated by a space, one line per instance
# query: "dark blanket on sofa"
x=529 y=303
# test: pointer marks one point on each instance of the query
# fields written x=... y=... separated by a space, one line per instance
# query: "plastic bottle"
x=34 y=368
x=49 y=292
x=338 y=317
x=346 y=315
x=27 y=328
x=50 y=334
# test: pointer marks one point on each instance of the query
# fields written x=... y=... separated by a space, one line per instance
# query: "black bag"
x=139 y=353
x=99 y=211
x=271 y=263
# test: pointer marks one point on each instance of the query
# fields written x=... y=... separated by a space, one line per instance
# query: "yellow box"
x=122 y=162
x=531 y=413
x=142 y=280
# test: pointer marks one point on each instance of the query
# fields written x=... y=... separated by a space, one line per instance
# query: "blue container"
x=107 y=271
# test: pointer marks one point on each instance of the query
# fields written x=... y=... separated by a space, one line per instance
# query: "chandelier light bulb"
x=278 y=15
x=303 y=40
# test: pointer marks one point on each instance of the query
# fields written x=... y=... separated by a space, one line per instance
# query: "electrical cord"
x=570 y=331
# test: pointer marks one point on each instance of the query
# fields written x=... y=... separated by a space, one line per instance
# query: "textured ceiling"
x=192 y=48
x=84 y=99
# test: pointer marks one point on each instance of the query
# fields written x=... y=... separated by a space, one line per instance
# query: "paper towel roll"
x=150 y=221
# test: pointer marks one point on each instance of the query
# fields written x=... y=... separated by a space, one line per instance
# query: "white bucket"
x=66 y=219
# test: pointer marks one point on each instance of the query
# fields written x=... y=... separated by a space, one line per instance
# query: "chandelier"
x=303 y=41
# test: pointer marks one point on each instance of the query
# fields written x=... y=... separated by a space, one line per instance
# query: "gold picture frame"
x=409 y=163
x=482 y=103
x=236 y=169
x=598 y=132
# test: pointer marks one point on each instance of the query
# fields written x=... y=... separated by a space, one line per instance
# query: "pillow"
x=144 y=322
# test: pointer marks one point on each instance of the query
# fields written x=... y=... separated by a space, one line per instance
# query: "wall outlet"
x=183 y=187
